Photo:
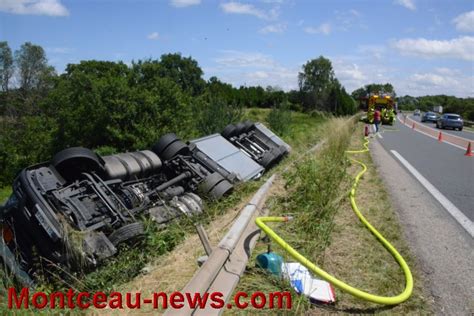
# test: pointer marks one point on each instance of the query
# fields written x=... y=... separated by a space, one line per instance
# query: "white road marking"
x=465 y=222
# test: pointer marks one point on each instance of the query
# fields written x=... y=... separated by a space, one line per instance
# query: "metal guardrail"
x=210 y=271
x=222 y=270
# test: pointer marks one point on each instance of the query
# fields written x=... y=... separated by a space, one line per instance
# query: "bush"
x=25 y=141
x=279 y=118
x=215 y=114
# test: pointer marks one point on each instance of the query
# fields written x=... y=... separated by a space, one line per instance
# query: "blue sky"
x=421 y=47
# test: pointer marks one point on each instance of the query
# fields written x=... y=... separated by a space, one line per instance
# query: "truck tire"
x=210 y=182
x=240 y=128
x=222 y=189
x=126 y=232
x=229 y=131
x=248 y=126
x=283 y=150
x=267 y=159
x=215 y=186
x=164 y=142
x=71 y=162
x=178 y=147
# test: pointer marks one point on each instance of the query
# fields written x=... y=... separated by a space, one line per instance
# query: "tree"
x=359 y=93
x=184 y=71
x=98 y=103
x=32 y=65
x=6 y=65
x=379 y=88
x=315 y=82
x=213 y=115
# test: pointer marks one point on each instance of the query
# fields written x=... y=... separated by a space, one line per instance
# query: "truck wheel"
x=221 y=189
x=71 y=162
x=210 y=181
x=229 y=131
x=215 y=186
x=283 y=150
x=126 y=232
x=248 y=125
x=178 y=147
x=240 y=128
x=164 y=142
x=267 y=159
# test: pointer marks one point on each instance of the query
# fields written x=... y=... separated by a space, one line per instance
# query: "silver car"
x=429 y=117
x=450 y=120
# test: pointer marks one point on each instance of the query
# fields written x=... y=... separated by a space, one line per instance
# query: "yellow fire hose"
x=386 y=300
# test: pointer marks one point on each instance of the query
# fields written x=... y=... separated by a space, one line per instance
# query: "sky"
x=421 y=47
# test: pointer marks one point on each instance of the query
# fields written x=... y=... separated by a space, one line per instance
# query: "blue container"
x=271 y=262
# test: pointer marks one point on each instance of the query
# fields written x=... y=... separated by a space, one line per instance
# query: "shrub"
x=279 y=118
x=215 y=114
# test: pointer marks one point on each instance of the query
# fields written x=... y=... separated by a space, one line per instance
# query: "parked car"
x=417 y=112
x=429 y=117
x=450 y=120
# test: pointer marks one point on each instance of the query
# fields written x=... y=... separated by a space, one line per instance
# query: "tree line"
x=112 y=107
x=450 y=104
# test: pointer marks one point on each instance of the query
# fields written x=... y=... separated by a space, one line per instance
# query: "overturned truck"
x=76 y=209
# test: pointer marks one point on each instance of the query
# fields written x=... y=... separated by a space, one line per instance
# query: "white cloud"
x=273 y=28
x=232 y=58
x=252 y=68
x=433 y=79
x=465 y=22
x=259 y=74
x=458 y=48
x=375 y=51
x=350 y=74
x=249 y=9
x=409 y=4
x=324 y=28
x=439 y=82
x=348 y=19
x=153 y=36
x=34 y=7
x=184 y=3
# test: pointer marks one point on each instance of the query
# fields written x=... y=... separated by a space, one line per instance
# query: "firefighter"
x=377 y=119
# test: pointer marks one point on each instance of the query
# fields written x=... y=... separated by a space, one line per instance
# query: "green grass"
x=5 y=193
x=312 y=197
x=326 y=231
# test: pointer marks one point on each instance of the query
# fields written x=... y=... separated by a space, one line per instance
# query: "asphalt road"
x=463 y=133
x=443 y=251
x=443 y=165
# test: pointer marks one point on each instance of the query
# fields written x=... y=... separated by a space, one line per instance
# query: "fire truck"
x=384 y=102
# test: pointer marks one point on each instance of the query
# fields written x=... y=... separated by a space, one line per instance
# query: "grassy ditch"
x=165 y=259
x=327 y=231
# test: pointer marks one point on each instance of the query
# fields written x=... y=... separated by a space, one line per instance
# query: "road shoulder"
x=444 y=251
